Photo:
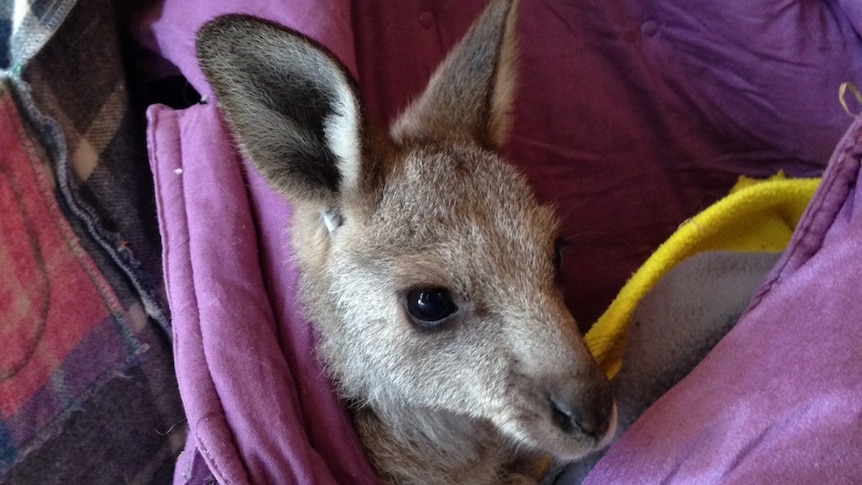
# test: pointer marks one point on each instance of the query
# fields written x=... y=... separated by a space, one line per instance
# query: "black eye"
x=559 y=245
x=429 y=307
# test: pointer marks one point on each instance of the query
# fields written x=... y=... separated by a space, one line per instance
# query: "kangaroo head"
x=428 y=266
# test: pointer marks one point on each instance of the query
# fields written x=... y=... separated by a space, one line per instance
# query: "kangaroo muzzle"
x=586 y=410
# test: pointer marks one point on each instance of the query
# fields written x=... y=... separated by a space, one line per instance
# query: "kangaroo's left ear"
x=469 y=97
x=291 y=105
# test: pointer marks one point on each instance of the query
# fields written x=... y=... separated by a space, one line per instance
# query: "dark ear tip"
x=222 y=32
x=216 y=27
x=230 y=21
x=208 y=36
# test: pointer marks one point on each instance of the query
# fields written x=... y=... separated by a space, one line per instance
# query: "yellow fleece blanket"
x=757 y=215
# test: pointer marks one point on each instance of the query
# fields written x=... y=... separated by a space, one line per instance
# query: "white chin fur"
x=518 y=434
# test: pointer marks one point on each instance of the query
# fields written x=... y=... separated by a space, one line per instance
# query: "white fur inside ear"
x=342 y=135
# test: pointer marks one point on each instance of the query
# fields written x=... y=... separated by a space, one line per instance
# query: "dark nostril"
x=563 y=415
x=590 y=416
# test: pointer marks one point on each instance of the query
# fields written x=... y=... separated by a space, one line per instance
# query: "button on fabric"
x=649 y=28
x=426 y=20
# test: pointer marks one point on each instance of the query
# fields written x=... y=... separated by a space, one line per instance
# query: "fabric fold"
x=254 y=417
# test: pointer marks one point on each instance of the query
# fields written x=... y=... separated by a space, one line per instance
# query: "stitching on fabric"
x=816 y=213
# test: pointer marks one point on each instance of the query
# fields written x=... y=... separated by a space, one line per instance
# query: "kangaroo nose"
x=586 y=410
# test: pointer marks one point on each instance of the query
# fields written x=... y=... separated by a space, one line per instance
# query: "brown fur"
x=429 y=205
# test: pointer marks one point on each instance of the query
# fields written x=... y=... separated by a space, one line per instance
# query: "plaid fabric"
x=67 y=65
x=26 y=26
x=57 y=297
x=87 y=390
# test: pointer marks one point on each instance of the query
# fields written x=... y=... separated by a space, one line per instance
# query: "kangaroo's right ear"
x=292 y=107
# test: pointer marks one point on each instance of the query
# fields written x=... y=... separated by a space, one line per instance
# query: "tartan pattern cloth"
x=61 y=311
x=25 y=26
x=87 y=390
x=67 y=65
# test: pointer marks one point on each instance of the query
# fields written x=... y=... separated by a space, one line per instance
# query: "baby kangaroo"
x=428 y=267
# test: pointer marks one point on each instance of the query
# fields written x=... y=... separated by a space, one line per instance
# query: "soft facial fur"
x=381 y=216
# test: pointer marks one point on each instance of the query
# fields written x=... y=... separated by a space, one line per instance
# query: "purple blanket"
x=631 y=117
x=258 y=405
x=779 y=399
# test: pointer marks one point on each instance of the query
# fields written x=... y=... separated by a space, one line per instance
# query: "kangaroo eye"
x=559 y=245
x=429 y=307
